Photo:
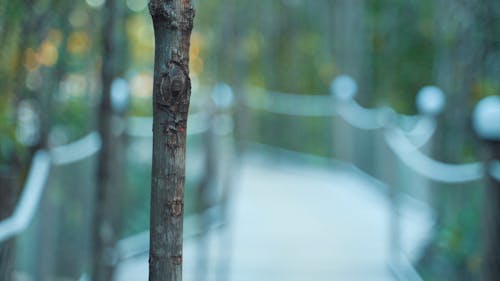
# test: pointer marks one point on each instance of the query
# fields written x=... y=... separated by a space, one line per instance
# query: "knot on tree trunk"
x=173 y=83
x=165 y=10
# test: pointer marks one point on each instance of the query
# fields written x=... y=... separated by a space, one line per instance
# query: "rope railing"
x=37 y=178
x=73 y=152
x=403 y=134
x=404 y=270
x=411 y=156
x=30 y=197
x=77 y=150
x=290 y=104
x=422 y=132
x=419 y=128
x=80 y=150
x=495 y=170
x=362 y=118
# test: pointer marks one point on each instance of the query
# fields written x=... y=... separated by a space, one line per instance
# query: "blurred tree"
x=173 y=23
x=110 y=188
x=350 y=44
x=460 y=47
x=17 y=32
x=491 y=220
x=7 y=203
x=462 y=40
x=351 y=52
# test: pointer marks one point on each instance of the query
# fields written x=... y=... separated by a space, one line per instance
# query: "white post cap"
x=343 y=88
x=486 y=118
x=120 y=95
x=430 y=100
x=222 y=96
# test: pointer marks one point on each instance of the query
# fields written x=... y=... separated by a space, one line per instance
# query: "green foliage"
x=286 y=46
x=456 y=251
x=8 y=145
x=291 y=46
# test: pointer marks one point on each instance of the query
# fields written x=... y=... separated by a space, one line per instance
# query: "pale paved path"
x=298 y=223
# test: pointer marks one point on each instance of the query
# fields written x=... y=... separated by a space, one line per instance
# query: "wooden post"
x=173 y=22
x=491 y=217
x=109 y=187
x=8 y=195
x=485 y=121
x=205 y=193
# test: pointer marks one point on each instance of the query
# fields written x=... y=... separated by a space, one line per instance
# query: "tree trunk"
x=350 y=44
x=350 y=49
x=107 y=220
x=205 y=194
x=173 y=22
x=8 y=195
x=491 y=221
x=457 y=69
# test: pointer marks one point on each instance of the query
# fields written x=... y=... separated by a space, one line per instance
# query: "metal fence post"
x=430 y=102
x=343 y=90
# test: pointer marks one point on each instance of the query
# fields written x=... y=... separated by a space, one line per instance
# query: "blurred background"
x=308 y=157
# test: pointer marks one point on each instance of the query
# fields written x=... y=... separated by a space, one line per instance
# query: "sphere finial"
x=430 y=100
x=344 y=88
x=486 y=118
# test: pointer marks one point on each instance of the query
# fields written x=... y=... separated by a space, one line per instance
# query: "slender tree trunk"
x=491 y=221
x=457 y=68
x=8 y=195
x=350 y=48
x=9 y=184
x=173 y=22
x=240 y=67
x=351 y=44
x=109 y=188
x=206 y=189
x=455 y=71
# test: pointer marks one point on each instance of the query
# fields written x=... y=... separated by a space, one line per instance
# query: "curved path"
x=300 y=222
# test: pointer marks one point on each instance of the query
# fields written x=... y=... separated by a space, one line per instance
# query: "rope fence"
x=45 y=161
x=30 y=198
x=404 y=143
x=67 y=154
x=404 y=135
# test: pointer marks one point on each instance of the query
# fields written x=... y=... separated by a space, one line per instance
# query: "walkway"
x=295 y=222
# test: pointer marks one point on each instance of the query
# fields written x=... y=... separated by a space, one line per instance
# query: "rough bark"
x=109 y=186
x=173 y=22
